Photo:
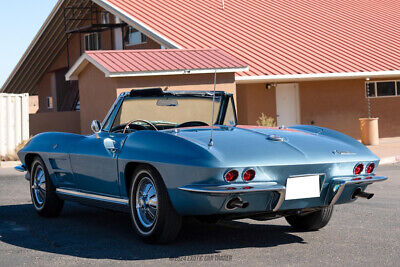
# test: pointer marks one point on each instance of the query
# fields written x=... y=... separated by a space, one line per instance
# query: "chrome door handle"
x=109 y=144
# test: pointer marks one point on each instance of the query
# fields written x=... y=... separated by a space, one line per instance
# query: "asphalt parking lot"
x=364 y=233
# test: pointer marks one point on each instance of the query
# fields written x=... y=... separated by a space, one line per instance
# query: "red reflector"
x=231 y=175
x=367 y=178
x=356 y=179
x=230 y=188
x=358 y=169
x=370 y=168
x=247 y=187
x=249 y=175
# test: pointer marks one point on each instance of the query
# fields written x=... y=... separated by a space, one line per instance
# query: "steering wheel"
x=132 y=121
x=191 y=124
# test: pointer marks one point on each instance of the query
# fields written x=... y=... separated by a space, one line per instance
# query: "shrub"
x=266 y=121
x=13 y=156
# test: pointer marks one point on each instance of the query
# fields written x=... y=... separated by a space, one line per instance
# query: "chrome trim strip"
x=282 y=194
x=232 y=189
x=337 y=194
x=75 y=193
x=349 y=180
x=20 y=168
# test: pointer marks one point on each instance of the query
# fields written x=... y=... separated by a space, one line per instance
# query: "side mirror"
x=96 y=127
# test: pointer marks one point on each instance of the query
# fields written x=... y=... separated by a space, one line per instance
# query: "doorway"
x=287 y=104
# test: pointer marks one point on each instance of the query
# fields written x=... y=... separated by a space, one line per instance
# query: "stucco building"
x=310 y=62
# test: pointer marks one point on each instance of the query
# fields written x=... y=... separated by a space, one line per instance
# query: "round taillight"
x=249 y=175
x=358 y=168
x=370 y=168
x=231 y=176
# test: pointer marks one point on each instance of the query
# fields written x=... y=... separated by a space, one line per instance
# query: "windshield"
x=169 y=110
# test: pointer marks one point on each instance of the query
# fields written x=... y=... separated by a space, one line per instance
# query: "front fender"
x=54 y=149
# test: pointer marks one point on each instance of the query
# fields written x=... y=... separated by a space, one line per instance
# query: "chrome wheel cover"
x=146 y=202
x=39 y=186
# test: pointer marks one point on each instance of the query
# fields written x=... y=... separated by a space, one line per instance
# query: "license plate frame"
x=303 y=187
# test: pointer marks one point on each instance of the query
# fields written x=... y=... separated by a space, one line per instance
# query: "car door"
x=95 y=165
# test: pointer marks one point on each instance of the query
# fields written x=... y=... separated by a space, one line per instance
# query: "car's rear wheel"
x=154 y=219
x=43 y=193
x=311 y=221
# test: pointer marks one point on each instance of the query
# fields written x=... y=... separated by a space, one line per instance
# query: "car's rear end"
x=273 y=171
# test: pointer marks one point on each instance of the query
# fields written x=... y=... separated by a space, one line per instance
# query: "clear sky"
x=20 y=20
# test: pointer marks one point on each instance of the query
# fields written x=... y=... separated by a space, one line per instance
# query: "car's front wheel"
x=311 y=221
x=43 y=192
x=154 y=219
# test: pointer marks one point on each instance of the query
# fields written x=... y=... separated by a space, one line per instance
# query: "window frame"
x=228 y=100
x=49 y=102
x=98 y=41
x=126 y=37
x=105 y=17
x=109 y=120
x=397 y=89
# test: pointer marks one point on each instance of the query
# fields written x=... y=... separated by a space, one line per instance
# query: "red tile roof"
x=118 y=63
x=277 y=37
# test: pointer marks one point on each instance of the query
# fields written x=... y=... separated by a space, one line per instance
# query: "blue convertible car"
x=160 y=156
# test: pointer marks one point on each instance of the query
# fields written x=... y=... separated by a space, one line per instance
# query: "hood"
x=260 y=146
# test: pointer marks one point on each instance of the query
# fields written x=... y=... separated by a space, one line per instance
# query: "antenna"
x=211 y=143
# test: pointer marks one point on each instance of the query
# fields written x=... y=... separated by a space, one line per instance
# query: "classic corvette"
x=161 y=155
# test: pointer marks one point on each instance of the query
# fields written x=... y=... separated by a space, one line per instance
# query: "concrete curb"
x=390 y=160
x=9 y=164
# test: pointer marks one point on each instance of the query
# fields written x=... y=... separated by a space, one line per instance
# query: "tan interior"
x=188 y=109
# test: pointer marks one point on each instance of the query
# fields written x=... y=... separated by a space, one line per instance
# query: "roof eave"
x=140 y=26
x=315 y=77
x=80 y=64
x=32 y=44
x=176 y=72
x=85 y=59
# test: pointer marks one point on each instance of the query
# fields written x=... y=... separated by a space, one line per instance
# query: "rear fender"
x=172 y=156
x=329 y=133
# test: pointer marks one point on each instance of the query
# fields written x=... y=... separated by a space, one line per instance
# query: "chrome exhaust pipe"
x=364 y=195
x=359 y=193
x=236 y=202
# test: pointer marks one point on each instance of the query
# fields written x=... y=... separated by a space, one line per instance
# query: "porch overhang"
x=157 y=62
x=316 y=77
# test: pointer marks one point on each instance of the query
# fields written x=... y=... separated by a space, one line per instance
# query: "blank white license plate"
x=302 y=187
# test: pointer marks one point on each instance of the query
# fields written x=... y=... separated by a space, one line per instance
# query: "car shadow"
x=101 y=234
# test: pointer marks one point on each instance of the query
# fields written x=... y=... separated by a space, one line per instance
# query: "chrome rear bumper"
x=338 y=184
x=239 y=189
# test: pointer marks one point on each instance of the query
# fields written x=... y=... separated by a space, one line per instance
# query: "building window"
x=93 y=41
x=382 y=88
x=105 y=18
x=49 y=102
x=78 y=105
x=134 y=37
x=370 y=89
